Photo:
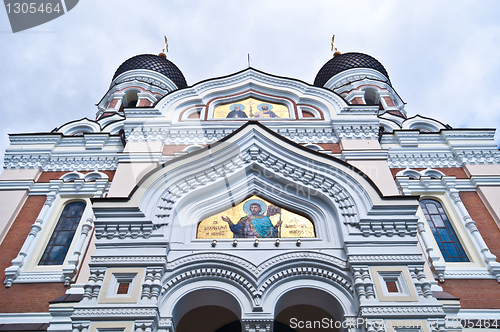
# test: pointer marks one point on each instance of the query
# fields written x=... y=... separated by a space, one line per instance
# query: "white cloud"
x=442 y=57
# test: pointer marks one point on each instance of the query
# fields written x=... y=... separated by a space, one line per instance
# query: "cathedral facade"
x=251 y=202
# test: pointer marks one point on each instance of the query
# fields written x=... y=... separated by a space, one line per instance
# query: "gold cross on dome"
x=166 y=44
x=334 y=48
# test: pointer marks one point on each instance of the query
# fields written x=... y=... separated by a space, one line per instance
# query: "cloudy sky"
x=443 y=57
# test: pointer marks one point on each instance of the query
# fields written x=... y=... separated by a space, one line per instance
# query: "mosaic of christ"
x=255 y=218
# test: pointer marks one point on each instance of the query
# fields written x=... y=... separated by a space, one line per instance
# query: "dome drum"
x=346 y=61
x=154 y=63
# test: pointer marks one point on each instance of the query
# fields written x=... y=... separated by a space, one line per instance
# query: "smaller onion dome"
x=342 y=62
x=155 y=63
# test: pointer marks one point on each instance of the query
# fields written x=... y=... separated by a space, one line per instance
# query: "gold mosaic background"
x=293 y=225
x=281 y=111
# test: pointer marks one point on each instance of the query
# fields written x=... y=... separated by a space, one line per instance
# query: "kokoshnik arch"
x=250 y=202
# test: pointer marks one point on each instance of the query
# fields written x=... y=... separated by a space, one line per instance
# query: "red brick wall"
x=143 y=102
x=47 y=176
x=457 y=172
x=357 y=101
x=112 y=104
x=478 y=293
x=24 y=297
x=484 y=221
x=475 y=293
x=389 y=101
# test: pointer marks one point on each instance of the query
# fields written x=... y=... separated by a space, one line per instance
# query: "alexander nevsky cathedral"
x=251 y=202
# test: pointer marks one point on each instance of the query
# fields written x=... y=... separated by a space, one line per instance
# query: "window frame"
x=60 y=222
x=108 y=292
x=459 y=228
x=36 y=252
x=446 y=227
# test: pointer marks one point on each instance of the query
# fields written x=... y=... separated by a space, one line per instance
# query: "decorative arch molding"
x=92 y=176
x=247 y=181
x=422 y=123
x=83 y=126
x=253 y=287
x=113 y=128
x=304 y=273
x=258 y=270
x=250 y=82
x=111 y=122
x=313 y=147
x=145 y=79
x=392 y=122
x=432 y=173
x=224 y=275
x=344 y=300
x=389 y=125
x=415 y=175
x=306 y=112
x=169 y=301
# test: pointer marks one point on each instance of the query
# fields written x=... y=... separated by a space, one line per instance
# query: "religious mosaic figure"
x=266 y=110
x=237 y=111
x=255 y=224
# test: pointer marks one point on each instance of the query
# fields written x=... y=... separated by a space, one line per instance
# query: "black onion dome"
x=154 y=63
x=347 y=61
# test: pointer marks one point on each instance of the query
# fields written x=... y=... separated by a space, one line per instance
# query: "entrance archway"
x=307 y=309
x=209 y=319
x=207 y=310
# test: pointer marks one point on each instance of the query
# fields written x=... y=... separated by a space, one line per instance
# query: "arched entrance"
x=307 y=309
x=207 y=310
x=209 y=319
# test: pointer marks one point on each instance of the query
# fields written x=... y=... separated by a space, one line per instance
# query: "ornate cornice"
x=62 y=163
x=385 y=258
x=357 y=131
x=402 y=310
x=121 y=312
x=174 y=135
x=123 y=230
x=422 y=160
x=478 y=157
x=128 y=259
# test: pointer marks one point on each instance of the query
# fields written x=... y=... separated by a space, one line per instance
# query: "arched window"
x=63 y=234
x=131 y=99
x=371 y=97
x=443 y=232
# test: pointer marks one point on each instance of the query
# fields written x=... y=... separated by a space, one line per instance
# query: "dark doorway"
x=304 y=318
x=209 y=319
